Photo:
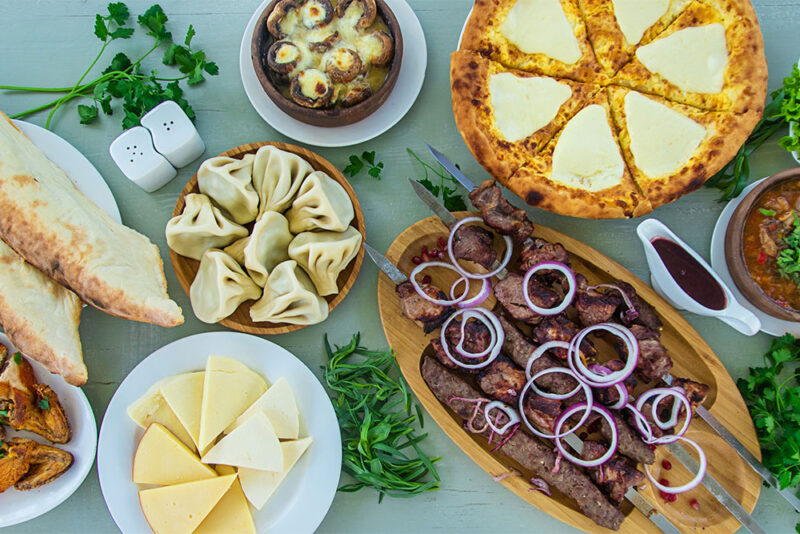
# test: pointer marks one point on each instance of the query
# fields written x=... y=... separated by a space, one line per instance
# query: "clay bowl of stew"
x=758 y=245
x=278 y=90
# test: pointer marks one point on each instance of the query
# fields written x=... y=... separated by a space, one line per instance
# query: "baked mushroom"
x=316 y=13
x=361 y=15
x=283 y=57
x=357 y=93
x=279 y=12
x=326 y=44
x=312 y=89
x=377 y=48
x=343 y=65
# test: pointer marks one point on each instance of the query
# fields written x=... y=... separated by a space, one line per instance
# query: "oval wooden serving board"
x=692 y=358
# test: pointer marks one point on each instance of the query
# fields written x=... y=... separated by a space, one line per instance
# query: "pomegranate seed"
x=441 y=242
x=694 y=504
x=664 y=496
x=672 y=497
x=664 y=482
x=434 y=252
x=426 y=279
x=666 y=465
x=416 y=260
x=424 y=250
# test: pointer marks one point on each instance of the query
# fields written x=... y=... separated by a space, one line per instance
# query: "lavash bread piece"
x=57 y=229
x=40 y=317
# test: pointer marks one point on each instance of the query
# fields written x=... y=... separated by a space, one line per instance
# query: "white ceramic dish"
x=406 y=90
x=79 y=169
x=300 y=503
x=769 y=324
x=17 y=506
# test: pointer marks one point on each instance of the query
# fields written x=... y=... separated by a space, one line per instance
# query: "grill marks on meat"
x=647 y=314
x=543 y=412
x=502 y=380
x=629 y=441
x=531 y=454
x=616 y=476
x=425 y=313
x=509 y=293
x=474 y=243
x=609 y=396
x=539 y=250
x=499 y=213
x=695 y=391
x=654 y=362
x=560 y=328
x=593 y=306
x=476 y=339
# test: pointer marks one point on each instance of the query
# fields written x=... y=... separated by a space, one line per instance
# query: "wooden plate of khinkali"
x=244 y=202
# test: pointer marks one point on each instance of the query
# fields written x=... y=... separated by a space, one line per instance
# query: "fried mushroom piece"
x=275 y=18
x=316 y=13
x=343 y=65
x=357 y=93
x=380 y=48
x=362 y=12
x=312 y=89
x=283 y=57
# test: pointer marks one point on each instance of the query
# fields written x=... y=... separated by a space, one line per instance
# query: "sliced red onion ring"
x=661 y=394
x=539 y=484
x=642 y=424
x=440 y=302
x=541 y=349
x=495 y=329
x=698 y=478
x=531 y=384
x=612 y=448
x=550 y=266
x=614 y=377
x=464 y=272
x=478 y=299
x=622 y=391
x=513 y=416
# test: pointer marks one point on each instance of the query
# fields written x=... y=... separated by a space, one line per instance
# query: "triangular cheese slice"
x=259 y=486
x=508 y=116
x=181 y=508
x=184 y=395
x=152 y=408
x=163 y=459
x=280 y=407
x=254 y=444
x=672 y=149
x=229 y=388
x=582 y=172
x=231 y=515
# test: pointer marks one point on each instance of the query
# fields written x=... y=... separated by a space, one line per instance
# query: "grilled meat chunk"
x=529 y=452
x=502 y=380
x=543 y=412
x=695 y=391
x=616 y=476
x=595 y=307
x=538 y=250
x=425 y=313
x=560 y=328
x=499 y=214
x=474 y=243
x=509 y=293
x=476 y=339
x=28 y=465
x=609 y=396
x=629 y=440
x=646 y=314
x=654 y=362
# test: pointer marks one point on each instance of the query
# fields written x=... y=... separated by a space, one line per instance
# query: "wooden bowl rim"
x=329 y=117
x=734 y=251
x=319 y=164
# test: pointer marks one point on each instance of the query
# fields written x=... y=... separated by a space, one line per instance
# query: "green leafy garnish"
x=377 y=417
x=451 y=199
x=767 y=213
x=125 y=79
x=44 y=403
x=4 y=414
x=18 y=358
x=788 y=260
x=367 y=159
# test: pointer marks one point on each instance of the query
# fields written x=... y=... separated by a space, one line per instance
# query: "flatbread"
x=57 y=229
x=40 y=317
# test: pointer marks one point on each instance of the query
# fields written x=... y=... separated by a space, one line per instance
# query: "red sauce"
x=692 y=277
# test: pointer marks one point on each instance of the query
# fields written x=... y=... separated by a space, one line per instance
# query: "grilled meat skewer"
x=509 y=293
x=616 y=476
x=475 y=244
x=426 y=314
x=499 y=213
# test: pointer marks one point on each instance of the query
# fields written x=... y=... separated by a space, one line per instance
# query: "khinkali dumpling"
x=220 y=287
x=321 y=204
x=199 y=227
x=324 y=255
x=236 y=249
x=289 y=297
x=229 y=183
x=267 y=246
x=277 y=176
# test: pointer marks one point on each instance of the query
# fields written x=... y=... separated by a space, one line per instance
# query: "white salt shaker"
x=134 y=154
x=174 y=134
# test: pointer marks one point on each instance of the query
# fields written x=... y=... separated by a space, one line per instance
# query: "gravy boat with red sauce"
x=665 y=284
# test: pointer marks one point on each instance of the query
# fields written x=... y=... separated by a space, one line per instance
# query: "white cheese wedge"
x=259 y=486
x=152 y=408
x=586 y=155
x=162 y=459
x=279 y=405
x=231 y=515
x=184 y=395
x=662 y=139
x=181 y=508
x=636 y=16
x=541 y=27
x=254 y=444
x=694 y=58
x=229 y=388
x=522 y=106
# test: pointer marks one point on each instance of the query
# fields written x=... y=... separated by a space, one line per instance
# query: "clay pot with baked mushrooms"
x=363 y=17
x=380 y=47
x=343 y=65
x=312 y=88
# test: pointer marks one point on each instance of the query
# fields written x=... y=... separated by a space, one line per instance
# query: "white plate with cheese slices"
x=221 y=428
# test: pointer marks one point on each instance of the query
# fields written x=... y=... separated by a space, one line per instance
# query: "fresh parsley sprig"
x=788 y=260
x=367 y=160
x=378 y=419
x=124 y=79
x=452 y=201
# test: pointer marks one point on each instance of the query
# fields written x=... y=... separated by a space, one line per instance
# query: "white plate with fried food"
x=19 y=506
x=299 y=504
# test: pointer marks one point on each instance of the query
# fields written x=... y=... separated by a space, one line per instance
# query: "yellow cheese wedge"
x=163 y=459
x=152 y=408
x=231 y=515
x=259 y=486
x=229 y=389
x=184 y=395
x=254 y=444
x=181 y=508
x=279 y=404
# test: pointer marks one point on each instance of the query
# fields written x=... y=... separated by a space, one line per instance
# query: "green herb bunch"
x=377 y=417
x=451 y=200
x=125 y=78
x=788 y=260
x=367 y=160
